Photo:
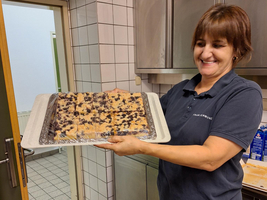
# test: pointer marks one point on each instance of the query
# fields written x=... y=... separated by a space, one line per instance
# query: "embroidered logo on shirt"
x=202 y=115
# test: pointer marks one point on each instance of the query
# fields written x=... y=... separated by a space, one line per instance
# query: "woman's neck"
x=204 y=85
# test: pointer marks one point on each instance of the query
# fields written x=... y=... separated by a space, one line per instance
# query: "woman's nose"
x=206 y=52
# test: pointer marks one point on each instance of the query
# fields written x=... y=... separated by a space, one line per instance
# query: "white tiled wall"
x=98 y=173
x=103 y=46
x=103 y=53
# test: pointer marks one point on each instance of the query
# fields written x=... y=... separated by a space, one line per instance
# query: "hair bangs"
x=215 y=29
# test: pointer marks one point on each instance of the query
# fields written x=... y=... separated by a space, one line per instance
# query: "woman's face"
x=213 y=57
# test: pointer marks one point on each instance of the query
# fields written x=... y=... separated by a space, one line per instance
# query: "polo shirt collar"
x=221 y=83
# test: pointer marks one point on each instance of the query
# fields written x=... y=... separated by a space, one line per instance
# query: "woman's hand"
x=124 y=145
x=117 y=90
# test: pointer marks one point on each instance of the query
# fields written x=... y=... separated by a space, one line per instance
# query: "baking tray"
x=35 y=123
x=255 y=175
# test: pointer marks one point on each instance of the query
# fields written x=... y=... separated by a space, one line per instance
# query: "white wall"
x=28 y=37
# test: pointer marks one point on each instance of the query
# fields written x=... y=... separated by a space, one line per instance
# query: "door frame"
x=74 y=159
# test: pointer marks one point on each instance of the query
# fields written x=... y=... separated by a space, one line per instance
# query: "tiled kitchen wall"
x=103 y=46
x=102 y=34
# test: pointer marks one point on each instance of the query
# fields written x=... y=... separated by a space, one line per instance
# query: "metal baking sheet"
x=47 y=133
x=36 y=120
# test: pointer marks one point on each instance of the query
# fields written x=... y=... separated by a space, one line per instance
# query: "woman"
x=212 y=118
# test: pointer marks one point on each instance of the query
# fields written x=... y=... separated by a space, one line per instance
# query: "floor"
x=48 y=177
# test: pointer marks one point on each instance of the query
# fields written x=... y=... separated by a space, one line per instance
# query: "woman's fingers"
x=105 y=146
x=122 y=145
x=114 y=139
x=117 y=90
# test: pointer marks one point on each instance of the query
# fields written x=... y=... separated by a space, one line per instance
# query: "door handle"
x=4 y=161
x=31 y=152
x=10 y=163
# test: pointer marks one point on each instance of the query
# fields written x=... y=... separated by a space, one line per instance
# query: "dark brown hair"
x=230 y=22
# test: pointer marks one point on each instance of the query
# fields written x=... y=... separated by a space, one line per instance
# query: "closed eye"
x=200 y=44
x=217 y=46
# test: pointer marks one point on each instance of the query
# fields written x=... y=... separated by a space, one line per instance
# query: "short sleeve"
x=238 y=118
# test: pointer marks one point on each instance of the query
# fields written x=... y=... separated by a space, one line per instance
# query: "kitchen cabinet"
x=164 y=30
x=130 y=179
x=256 y=11
x=135 y=179
x=185 y=17
x=163 y=35
x=151 y=18
x=152 y=189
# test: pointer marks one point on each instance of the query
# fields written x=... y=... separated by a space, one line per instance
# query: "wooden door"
x=9 y=126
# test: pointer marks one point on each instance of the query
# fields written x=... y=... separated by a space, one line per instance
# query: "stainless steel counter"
x=149 y=160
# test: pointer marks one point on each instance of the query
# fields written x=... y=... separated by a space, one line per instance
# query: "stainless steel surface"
x=186 y=15
x=168 y=78
x=130 y=179
x=169 y=35
x=165 y=49
x=147 y=160
x=256 y=11
x=10 y=163
x=167 y=71
x=261 y=80
x=152 y=189
x=248 y=71
x=150 y=33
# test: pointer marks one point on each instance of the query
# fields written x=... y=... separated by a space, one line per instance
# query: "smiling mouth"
x=208 y=62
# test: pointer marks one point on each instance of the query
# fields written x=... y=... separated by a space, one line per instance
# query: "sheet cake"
x=93 y=116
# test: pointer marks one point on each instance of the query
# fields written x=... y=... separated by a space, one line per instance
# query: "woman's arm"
x=209 y=156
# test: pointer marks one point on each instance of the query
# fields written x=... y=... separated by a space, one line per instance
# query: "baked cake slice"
x=118 y=101
x=125 y=102
x=135 y=102
x=66 y=103
x=130 y=123
x=101 y=102
x=104 y=125
x=86 y=126
x=65 y=127
x=84 y=102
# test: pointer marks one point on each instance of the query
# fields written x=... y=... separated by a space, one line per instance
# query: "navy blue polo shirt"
x=231 y=109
